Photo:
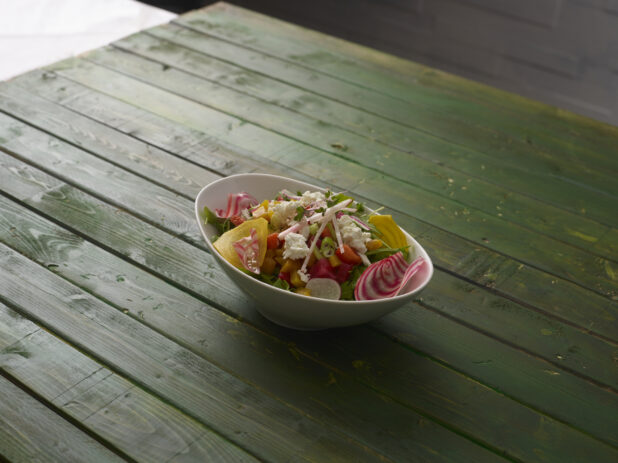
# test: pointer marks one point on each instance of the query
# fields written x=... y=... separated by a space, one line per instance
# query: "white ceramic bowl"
x=284 y=307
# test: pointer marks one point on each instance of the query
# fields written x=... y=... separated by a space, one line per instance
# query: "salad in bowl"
x=311 y=258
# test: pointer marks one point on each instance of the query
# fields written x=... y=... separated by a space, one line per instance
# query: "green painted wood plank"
x=266 y=426
x=602 y=373
x=146 y=161
x=514 y=166
x=31 y=432
x=137 y=423
x=537 y=250
x=567 y=301
x=474 y=193
x=66 y=161
x=14 y=327
x=538 y=386
x=566 y=133
x=515 y=324
x=209 y=333
x=19 y=104
x=204 y=336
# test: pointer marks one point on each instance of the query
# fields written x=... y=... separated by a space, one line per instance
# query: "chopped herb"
x=320 y=209
x=347 y=287
x=299 y=193
x=360 y=207
x=328 y=193
x=337 y=199
x=300 y=212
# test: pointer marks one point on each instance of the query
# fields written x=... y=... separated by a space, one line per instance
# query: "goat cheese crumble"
x=352 y=234
x=295 y=247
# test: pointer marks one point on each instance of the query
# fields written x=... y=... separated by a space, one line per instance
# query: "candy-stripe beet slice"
x=385 y=278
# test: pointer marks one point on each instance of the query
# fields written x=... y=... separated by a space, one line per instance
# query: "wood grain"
x=449 y=251
x=237 y=410
x=557 y=132
x=31 y=433
x=335 y=102
x=137 y=423
x=537 y=250
x=148 y=311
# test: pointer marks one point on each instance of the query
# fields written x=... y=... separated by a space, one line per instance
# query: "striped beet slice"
x=236 y=202
x=248 y=249
x=385 y=278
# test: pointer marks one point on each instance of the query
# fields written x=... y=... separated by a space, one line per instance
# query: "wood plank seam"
x=592 y=287
x=476 y=283
x=56 y=406
x=604 y=295
x=62 y=414
x=383 y=63
x=600 y=384
x=450 y=367
x=399 y=122
x=475 y=328
x=184 y=22
x=341 y=155
x=426 y=415
x=83 y=347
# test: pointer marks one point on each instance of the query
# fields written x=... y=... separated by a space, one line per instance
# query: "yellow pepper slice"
x=225 y=243
x=391 y=233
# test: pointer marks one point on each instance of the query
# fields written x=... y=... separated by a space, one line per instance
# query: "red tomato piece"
x=236 y=220
x=349 y=255
x=272 y=241
x=285 y=276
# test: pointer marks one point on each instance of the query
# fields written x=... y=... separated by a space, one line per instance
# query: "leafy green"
x=336 y=199
x=273 y=280
x=281 y=284
x=386 y=251
x=222 y=225
x=347 y=287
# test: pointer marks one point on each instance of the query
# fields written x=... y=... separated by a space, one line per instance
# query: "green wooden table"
x=121 y=339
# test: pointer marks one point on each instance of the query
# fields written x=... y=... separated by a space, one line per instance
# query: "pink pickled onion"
x=386 y=278
x=236 y=202
x=248 y=249
x=360 y=223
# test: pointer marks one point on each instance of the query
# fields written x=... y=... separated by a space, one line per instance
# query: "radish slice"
x=248 y=249
x=324 y=288
x=385 y=278
x=236 y=203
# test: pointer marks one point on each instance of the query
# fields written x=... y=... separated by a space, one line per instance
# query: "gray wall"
x=562 y=52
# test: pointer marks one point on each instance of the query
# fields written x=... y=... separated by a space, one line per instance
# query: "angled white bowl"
x=284 y=307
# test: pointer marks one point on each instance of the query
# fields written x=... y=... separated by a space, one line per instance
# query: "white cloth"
x=34 y=33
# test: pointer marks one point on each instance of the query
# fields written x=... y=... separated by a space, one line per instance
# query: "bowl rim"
x=199 y=218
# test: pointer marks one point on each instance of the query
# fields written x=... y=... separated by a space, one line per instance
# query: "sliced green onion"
x=328 y=247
